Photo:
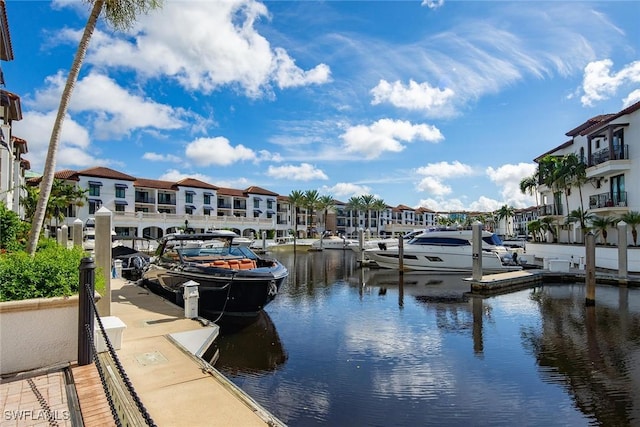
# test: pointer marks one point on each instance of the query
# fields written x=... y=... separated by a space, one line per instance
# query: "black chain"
x=43 y=403
x=121 y=371
x=103 y=379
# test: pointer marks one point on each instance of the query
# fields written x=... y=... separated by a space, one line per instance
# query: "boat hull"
x=223 y=293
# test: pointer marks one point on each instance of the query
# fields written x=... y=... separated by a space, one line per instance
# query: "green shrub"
x=12 y=230
x=52 y=272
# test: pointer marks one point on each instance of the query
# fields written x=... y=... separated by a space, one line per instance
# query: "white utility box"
x=559 y=265
x=114 y=327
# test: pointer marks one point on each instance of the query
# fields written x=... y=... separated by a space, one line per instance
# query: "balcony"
x=606 y=162
x=608 y=200
x=550 y=210
x=166 y=201
x=224 y=205
x=142 y=198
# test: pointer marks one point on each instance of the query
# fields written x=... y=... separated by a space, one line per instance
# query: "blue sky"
x=442 y=104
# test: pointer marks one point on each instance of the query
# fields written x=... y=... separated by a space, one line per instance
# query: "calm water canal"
x=344 y=346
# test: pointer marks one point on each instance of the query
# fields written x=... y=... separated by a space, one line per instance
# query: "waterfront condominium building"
x=609 y=147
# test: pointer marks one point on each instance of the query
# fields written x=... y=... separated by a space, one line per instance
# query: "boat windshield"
x=233 y=251
x=493 y=240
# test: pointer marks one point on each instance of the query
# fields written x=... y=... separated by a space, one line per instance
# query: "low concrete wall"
x=606 y=256
x=36 y=333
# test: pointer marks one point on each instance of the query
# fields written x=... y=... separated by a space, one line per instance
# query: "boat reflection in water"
x=423 y=286
x=251 y=348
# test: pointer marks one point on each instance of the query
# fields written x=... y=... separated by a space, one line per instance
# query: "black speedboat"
x=234 y=282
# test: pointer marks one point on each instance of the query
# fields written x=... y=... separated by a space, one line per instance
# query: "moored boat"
x=446 y=251
x=332 y=242
x=234 y=282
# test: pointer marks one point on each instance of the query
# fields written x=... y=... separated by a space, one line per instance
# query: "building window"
x=188 y=196
x=269 y=204
x=144 y=210
x=94 y=205
x=189 y=209
x=121 y=190
x=94 y=188
x=207 y=211
x=119 y=208
x=256 y=203
x=207 y=199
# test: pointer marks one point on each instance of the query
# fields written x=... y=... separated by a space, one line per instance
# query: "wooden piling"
x=590 y=277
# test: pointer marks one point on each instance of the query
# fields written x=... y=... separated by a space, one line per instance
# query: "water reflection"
x=372 y=347
x=593 y=351
x=251 y=348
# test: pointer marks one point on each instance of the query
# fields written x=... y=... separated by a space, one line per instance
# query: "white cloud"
x=217 y=151
x=114 y=115
x=483 y=204
x=444 y=169
x=346 y=190
x=386 y=135
x=600 y=83
x=432 y=4
x=632 y=98
x=508 y=177
x=415 y=96
x=433 y=185
x=435 y=172
x=75 y=142
x=302 y=172
x=221 y=47
x=288 y=75
x=155 y=157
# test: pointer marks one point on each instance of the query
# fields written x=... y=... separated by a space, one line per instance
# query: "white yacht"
x=446 y=251
x=332 y=242
x=383 y=242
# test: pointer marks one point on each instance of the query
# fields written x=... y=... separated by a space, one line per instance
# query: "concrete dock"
x=175 y=387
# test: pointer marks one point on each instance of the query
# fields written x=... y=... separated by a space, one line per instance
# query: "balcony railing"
x=145 y=199
x=604 y=155
x=224 y=205
x=546 y=210
x=608 y=200
x=166 y=201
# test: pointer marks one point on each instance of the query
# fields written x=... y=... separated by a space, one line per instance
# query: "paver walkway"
x=40 y=400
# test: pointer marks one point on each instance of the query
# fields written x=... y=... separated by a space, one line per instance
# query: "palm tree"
x=311 y=198
x=576 y=172
x=578 y=215
x=355 y=206
x=529 y=185
x=632 y=218
x=602 y=223
x=121 y=14
x=505 y=212
x=379 y=206
x=296 y=199
x=62 y=196
x=367 y=204
x=551 y=174
x=535 y=227
x=547 y=223
x=324 y=204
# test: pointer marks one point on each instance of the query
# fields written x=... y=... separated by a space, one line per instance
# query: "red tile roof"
x=196 y=183
x=6 y=48
x=154 y=183
x=258 y=190
x=102 y=172
x=231 y=192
